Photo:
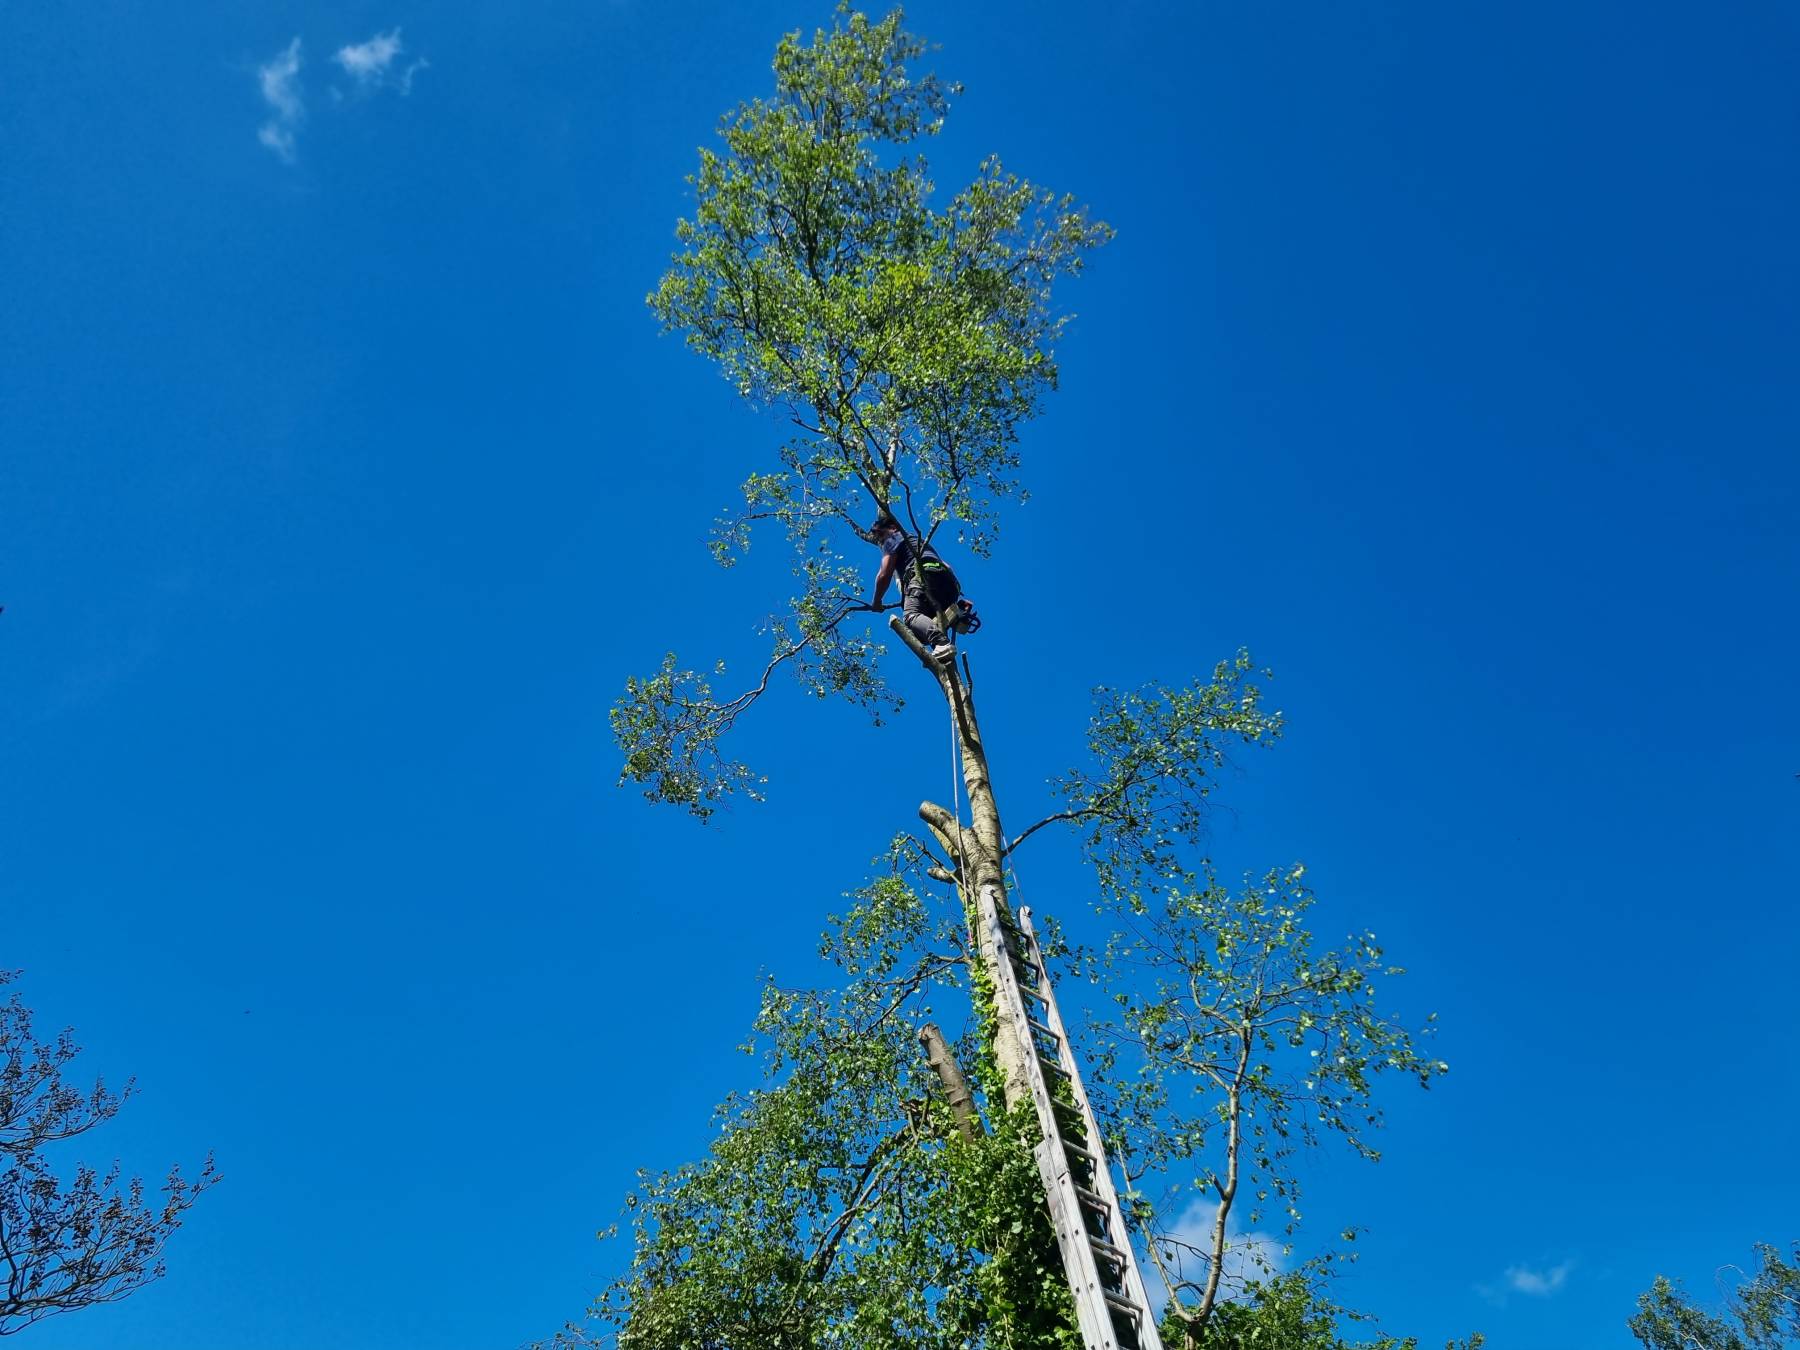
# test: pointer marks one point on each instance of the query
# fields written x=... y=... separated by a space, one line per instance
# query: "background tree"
x=1762 y=1312
x=1293 y=1311
x=1236 y=1043
x=69 y=1244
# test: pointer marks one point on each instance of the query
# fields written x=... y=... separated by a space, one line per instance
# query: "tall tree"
x=90 y=1239
x=906 y=344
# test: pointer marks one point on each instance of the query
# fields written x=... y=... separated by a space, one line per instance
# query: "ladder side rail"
x=1103 y=1182
x=1085 y=1284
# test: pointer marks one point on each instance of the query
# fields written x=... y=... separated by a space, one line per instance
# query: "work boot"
x=942 y=652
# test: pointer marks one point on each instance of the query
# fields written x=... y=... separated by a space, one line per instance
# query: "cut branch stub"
x=956 y=1087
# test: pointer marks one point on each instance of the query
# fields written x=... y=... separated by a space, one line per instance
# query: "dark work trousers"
x=920 y=613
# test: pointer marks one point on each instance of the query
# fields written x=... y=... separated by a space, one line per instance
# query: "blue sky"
x=1443 y=358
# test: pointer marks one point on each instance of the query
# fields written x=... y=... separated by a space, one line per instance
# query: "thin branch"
x=1082 y=813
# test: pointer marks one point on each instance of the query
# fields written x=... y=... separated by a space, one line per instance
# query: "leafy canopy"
x=1762 y=1312
x=1153 y=754
x=905 y=343
x=839 y=1205
x=1234 y=1043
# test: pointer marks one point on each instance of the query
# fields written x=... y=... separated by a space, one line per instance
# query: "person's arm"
x=883 y=575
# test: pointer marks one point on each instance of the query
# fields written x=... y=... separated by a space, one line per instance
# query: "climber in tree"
x=928 y=588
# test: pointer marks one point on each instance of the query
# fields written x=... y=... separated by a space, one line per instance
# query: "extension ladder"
x=1111 y=1306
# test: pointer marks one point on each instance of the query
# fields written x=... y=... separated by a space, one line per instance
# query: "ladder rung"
x=1055 y=1064
x=1094 y=1205
x=1123 y=1305
x=1113 y=1260
x=1041 y=1029
x=1093 y=1200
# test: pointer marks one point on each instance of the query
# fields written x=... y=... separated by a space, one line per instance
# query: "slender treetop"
x=905 y=344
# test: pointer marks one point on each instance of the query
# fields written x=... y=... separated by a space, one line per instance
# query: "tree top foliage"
x=906 y=343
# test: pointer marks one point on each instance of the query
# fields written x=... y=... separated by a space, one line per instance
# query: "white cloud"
x=1248 y=1256
x=1532 y=1281
x=368 y=61
x=1538 y=1283
x=279 y=80
x=371 y=63
x=278 y=138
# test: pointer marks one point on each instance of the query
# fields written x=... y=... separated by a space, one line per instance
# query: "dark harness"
x=931 y=576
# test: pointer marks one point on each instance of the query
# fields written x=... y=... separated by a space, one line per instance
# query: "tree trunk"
x=980 y=848
x=1227 y=1189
